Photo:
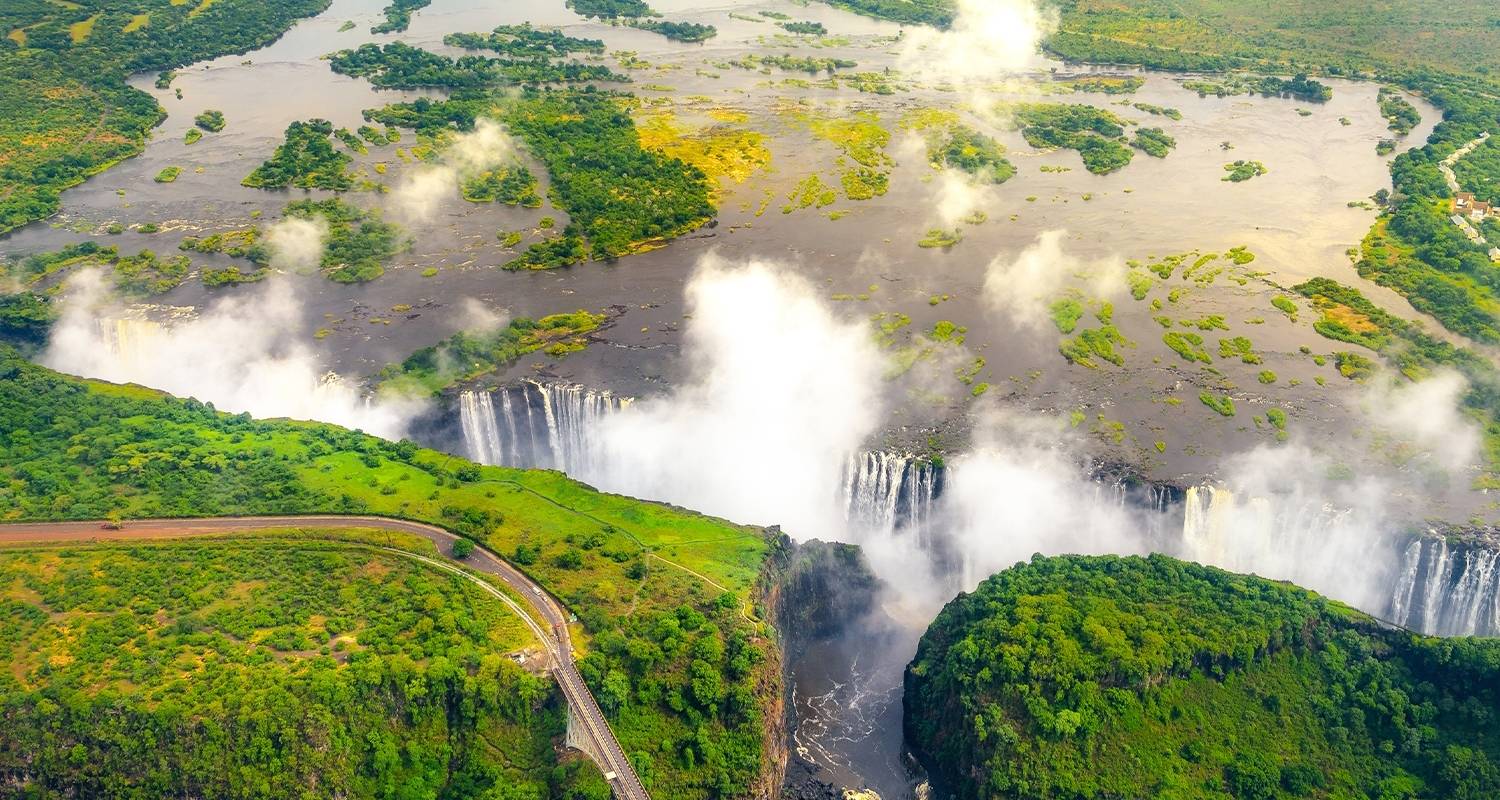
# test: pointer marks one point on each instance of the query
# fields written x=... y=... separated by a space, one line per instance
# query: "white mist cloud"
x=424 y=190
x=957 y=196
x=781 y=392
x=1425 y=415
x=476 y=317
x=1021 y=489
x=241 y=354
x=1023 y=286
x=486 y=147
x=296 y=244
x=1283 y=517
x=989 y=40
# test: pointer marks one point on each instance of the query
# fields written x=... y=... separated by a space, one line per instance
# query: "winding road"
x=623 y=780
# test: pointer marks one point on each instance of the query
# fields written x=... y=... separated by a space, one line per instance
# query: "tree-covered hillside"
x=674 y=654
x=274 y=666
x=1108 y=677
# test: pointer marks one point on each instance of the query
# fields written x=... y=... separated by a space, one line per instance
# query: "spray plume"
x=239 y=354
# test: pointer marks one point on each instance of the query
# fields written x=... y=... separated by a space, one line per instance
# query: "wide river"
x=1299 y=220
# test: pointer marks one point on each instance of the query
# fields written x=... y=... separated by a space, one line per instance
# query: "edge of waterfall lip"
x=1487 y=536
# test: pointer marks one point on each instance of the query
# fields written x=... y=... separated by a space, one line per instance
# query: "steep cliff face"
x=821 y=587
x=811 y=591
x=771 y=691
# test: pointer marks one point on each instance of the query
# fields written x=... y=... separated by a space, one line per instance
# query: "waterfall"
x=1448 y=589
x=886 y=492
x=133 y=340
x=1205 y=530
x=481 y=434
x=536 y=424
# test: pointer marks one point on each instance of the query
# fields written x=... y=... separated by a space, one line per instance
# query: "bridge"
x=588 y=731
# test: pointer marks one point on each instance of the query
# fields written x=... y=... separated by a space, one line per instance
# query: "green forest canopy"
x=1076 y=677
x=265 y=666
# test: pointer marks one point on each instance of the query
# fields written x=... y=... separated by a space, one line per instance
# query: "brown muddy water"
x=1296 y=219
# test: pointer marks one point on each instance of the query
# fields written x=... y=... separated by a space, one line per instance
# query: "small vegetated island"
x=1098 y=135
x=400 y=66
x=1150 y=677
x=398 y=15
x=620 y=197
x=307 y=159
x=637 y=14
x=1240 y=171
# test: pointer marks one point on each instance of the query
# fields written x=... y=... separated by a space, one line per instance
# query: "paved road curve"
x=626 y=785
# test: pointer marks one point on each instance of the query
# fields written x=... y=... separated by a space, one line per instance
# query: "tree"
x=462 y=548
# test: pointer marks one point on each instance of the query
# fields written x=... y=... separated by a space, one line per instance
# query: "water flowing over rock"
x=887 y=492
x=1428 y=585
x=536 y=424
x=1448 y=589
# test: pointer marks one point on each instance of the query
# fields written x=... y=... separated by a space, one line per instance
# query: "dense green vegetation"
x=675 y=661
x=804 y=28
x=26 y=318
x=1106 y=84
x=812 y=65
x=611 y=9
x=359 y=243
x=1187 y=345
x=964 y=148
x=1222 y=403
x=1077 y=677
x=68 y=112
x=142 y=275
x=938 y=13
x=266 y=667
x=306 y=160
x=1350 y=38
x=524 y=41
x=398 y=15
x=1241 y=171
x=513 y=185
x=1400 y=115
x=210 y=120
x=620 y=197
x=400 y=66
x=1153 y=142
x=1479 y=171
x=465 y=356
x=1098 y=135
x=677 y=31
x=637 y=14
x=1157 y=111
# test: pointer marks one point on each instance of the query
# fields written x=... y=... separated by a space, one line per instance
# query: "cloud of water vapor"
x=958 y=197
x=1024 y=286
x=781 y=392
x=1425 y=417
x=1022 y=489
x=296 y=244
x=240 y=354
x=1285 y=518
x=422 y=192
x=989 y=40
